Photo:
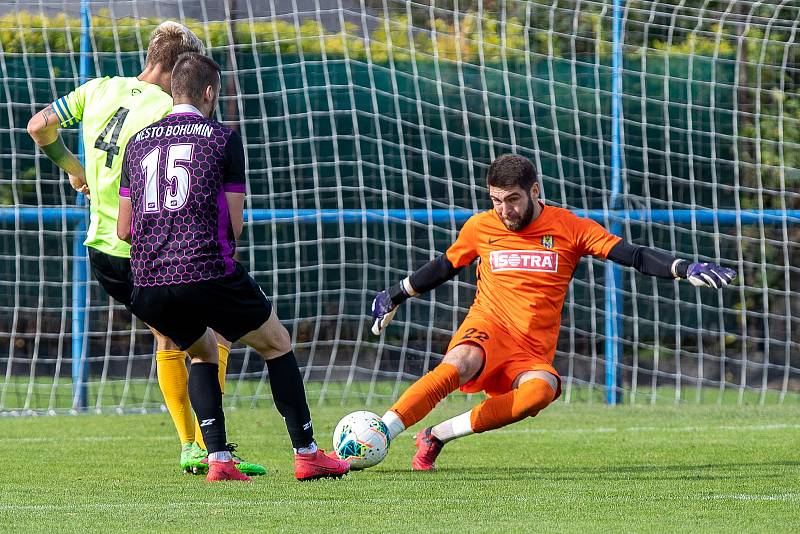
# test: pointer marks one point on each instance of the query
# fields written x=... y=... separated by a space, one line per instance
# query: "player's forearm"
x=124 y=235
x=432 y=274
x=236 y=212
x=238 y=226
x=429 y=276
x=124 y=217
x=43 y=129
x=59 y=154
x=648 y=261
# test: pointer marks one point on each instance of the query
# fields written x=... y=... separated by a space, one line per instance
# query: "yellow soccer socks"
x=173 y=379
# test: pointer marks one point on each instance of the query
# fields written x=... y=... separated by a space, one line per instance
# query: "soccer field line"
x=750 y=497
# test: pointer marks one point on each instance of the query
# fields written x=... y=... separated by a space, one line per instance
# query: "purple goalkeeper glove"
x=709 y=275
x=385 y=306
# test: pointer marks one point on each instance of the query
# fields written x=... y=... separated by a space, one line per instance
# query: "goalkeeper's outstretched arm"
x=429 y=276
x=664 y=265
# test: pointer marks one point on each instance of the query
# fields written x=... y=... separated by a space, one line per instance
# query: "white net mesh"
x=368 y=128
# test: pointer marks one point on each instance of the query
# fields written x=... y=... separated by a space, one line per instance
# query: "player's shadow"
x=708 y=471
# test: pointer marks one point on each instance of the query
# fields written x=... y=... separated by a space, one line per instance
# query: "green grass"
x=137 y=394
x=575 y=468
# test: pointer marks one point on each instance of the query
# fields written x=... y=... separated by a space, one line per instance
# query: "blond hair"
x=168 y=41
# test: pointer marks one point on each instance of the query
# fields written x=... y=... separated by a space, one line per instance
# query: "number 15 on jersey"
x=177 y=179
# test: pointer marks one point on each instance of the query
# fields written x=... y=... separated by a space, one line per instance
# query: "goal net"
x=368 y=127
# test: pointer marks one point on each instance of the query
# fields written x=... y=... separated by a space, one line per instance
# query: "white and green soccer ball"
x=362 y=439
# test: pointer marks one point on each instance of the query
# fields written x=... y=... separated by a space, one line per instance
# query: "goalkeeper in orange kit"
x=505 y=346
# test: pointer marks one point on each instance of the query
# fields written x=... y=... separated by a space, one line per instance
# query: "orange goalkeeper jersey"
x=523 y=276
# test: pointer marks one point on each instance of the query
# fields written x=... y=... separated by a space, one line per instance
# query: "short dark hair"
x=193 y=72
x=511 y=170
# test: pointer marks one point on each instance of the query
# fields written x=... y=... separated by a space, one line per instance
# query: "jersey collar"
x=185 y=108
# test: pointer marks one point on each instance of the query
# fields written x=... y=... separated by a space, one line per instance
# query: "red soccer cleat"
x=428 y=448
x=319 y=465
x=219 y=471
x=248 y=468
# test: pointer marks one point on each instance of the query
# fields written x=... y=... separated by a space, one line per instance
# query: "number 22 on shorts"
x=474 y=333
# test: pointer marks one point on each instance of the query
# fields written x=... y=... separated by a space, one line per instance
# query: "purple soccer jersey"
x=176 y=173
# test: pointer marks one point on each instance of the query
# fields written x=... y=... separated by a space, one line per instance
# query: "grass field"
x=575 y=468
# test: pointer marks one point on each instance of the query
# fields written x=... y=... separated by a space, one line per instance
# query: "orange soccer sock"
x=224 y=352
x=173 y=379
x=419 y=399
x=526 y=401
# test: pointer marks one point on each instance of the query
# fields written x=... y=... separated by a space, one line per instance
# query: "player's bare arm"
x=44 y=129
x=124 y=219
x=236 y=211
x=234 y=181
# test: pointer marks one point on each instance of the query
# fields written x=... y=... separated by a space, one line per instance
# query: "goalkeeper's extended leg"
x=535 y=391
x=460 y=365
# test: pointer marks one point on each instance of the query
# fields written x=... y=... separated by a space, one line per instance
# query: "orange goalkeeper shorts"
x=504 y=359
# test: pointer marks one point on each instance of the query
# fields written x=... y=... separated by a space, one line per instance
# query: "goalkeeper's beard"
x=515 y=225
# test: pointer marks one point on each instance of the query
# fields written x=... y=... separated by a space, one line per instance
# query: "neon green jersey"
x=112 y=110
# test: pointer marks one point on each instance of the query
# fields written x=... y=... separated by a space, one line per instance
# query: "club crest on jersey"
x=524 y=260
x=547 y=241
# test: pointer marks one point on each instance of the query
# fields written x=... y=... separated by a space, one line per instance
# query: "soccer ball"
x=362 y=439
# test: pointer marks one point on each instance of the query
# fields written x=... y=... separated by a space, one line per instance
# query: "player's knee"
x=222 y=341
x=164 y=343
x=275 y=344
x=282 y=342
x=204 y=349
x=468 y=359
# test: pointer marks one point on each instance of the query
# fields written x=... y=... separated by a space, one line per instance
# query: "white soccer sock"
x=393 y=424
x=311 y=449
x=221 y=456
x=457 y=427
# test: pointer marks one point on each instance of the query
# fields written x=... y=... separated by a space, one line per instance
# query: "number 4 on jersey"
x=114 y=126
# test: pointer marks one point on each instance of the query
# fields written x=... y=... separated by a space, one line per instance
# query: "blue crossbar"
x=71 y=215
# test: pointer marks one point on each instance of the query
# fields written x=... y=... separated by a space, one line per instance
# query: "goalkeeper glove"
x=385 y=306
x=709 y=275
